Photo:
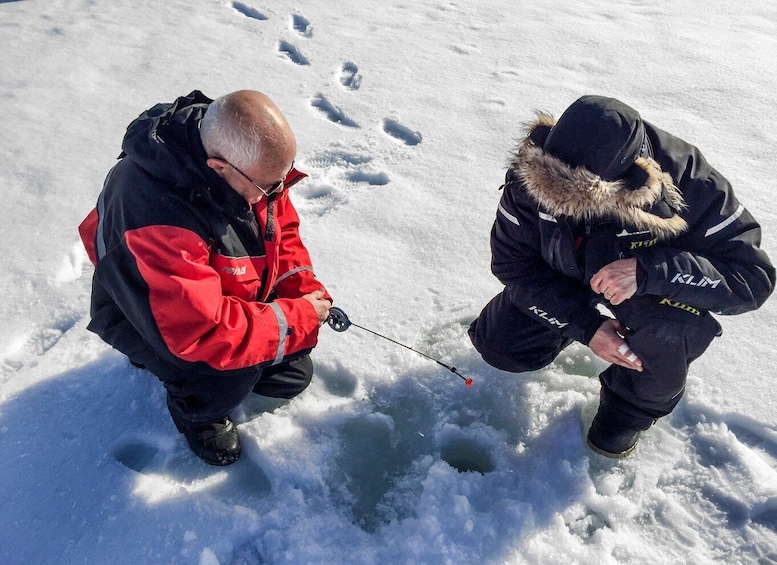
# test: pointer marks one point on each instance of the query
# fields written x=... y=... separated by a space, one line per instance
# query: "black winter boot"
x=610 y=439
x=216 y=443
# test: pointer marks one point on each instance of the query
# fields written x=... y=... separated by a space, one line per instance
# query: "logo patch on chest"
x=234 y=271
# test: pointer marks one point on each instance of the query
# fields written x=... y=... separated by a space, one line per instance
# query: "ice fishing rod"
x=339 y=322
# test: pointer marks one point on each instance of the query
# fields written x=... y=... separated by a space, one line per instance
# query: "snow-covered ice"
x=405 y=114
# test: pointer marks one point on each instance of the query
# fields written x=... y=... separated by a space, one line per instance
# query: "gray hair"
x=227 y=133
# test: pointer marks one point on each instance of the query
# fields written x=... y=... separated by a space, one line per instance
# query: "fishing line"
x=339 y=321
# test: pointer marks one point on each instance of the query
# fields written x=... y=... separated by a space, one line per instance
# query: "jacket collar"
x=578 y=193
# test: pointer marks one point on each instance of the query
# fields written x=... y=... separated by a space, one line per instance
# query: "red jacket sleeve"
x=197 y=321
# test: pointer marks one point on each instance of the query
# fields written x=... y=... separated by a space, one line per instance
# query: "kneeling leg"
x=510 y=340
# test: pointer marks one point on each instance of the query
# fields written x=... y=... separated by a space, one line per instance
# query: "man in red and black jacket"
x=616 y=234
x=200 y=273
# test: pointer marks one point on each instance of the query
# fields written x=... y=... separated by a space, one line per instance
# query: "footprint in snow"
x=336 y=172
x=292 y=53
x=349 y=76
x=31 y=345
x=248 y=11
x=338 y=155
x=332 y=112
x=400 y=132
x=351 y=166
x=301 y=25
x=373 y=178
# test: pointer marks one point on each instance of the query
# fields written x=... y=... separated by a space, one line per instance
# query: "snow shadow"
x=332 y=112
x=337 y=379
x=301 y=25
x=168 y=471
x=403 y=133
x=379 y=178
x=379 y=459
x=350 y=77
x=91 y=455
x=294 y=54
x=249 y=11
x=56 y=442
x=753 y=434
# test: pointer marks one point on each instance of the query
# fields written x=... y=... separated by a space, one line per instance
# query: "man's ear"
x=217 y=165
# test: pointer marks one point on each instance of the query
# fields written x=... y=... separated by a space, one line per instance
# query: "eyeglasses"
x=277 y=186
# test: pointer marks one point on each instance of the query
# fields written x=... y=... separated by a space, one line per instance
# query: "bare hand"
x=320 y=304
x=609 y=344
x=616 y=281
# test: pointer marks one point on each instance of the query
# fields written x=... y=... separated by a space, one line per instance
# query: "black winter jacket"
x=556 y=226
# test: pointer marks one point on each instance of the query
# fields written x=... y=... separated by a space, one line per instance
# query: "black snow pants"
x=665 y=335
x=207 y=398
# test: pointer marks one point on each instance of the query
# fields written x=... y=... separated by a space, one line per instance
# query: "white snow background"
x=405 y=115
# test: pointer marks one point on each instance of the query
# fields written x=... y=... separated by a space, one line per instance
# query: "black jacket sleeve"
x=553 y=299
x=717 y=264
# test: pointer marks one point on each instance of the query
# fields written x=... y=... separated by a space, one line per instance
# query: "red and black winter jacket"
x=189 y=279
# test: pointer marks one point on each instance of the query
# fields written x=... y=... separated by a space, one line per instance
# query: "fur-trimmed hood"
x=580 y=194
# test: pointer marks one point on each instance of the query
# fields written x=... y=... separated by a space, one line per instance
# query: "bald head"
x=247 y=129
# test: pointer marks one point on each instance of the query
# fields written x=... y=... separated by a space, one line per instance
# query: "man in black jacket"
x=616 y=234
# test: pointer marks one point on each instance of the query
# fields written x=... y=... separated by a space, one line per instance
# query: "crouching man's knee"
x=509 y=340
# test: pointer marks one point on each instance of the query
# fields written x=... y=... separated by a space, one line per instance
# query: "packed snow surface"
x=405 y=114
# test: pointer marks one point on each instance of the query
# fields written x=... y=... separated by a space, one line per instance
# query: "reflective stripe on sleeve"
x=283 y=327
x=287 y=274
x=100 y=235
x=508 y=215
x=728 y=221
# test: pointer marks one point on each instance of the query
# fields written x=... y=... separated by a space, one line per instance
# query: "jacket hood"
x=165 y=141
x=652 y=203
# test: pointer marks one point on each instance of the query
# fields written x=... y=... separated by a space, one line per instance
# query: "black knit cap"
x=601 y=134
